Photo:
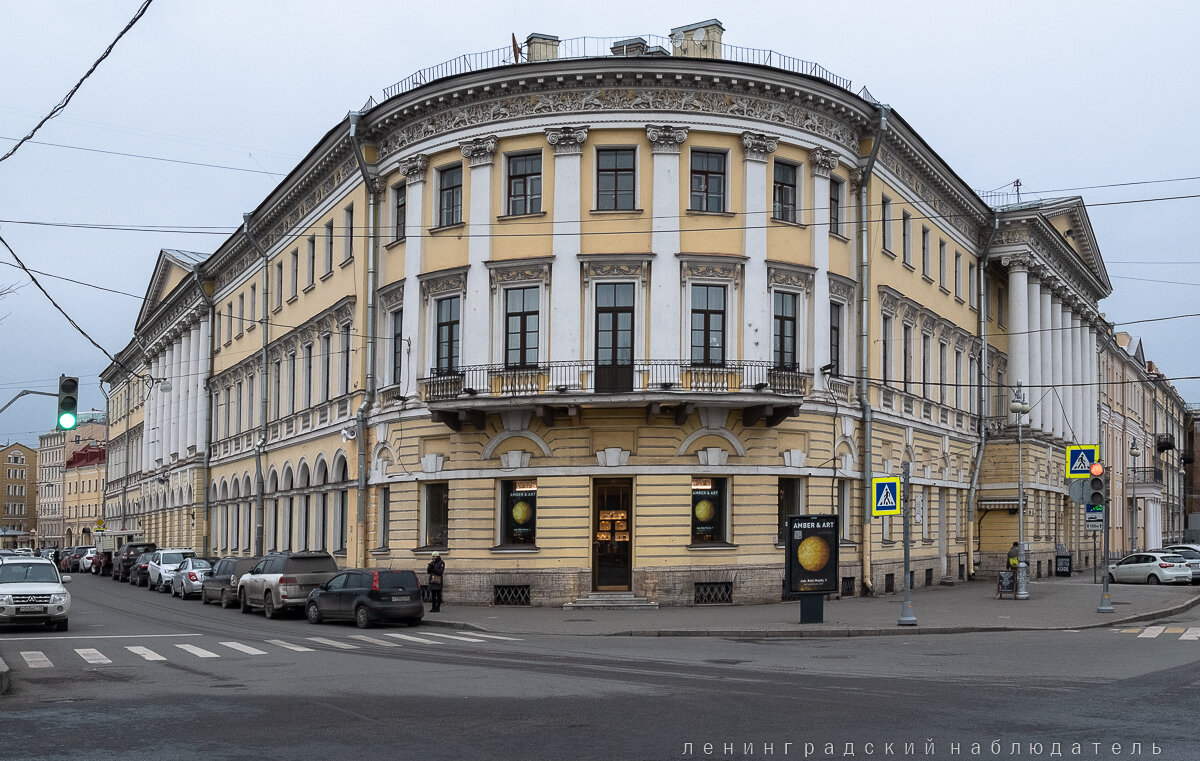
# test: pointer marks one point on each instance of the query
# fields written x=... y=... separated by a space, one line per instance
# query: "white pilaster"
x=822 y=161
x=757 y=343
x=566 y=321
x=1018 y=322
x=150 y=424
x=1056 y=324
x=203 y=400
x=1080 y=363
x=476 y=309
x=1070 y=432
x=196 y=386
x=665 y=298
x=1093 y=411
x=187 y=390
x=1037 y=390
x=413 y=169
x=1046 y=347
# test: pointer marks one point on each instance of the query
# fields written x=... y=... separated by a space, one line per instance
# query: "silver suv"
x=32 y=592
x=162 y=566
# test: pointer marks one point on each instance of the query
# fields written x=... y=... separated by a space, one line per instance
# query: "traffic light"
x=1097 y=486
x=68 y=402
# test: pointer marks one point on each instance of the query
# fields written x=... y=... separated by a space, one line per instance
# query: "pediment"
x=172 y=270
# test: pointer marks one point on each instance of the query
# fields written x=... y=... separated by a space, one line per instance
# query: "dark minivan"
x=221 y=585
x=125 y=557
x=367 y=596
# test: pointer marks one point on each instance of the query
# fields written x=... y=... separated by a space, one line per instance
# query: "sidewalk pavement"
x=1054 y=603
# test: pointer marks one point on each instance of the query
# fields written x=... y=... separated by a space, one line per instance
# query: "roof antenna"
x=1017 y=187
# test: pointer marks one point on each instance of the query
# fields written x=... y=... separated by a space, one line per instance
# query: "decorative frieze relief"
x=665 y=138
x=432 y=287
x=567 y=140
x=823 y=161
x=790 y=277
x=756 y=147
x=518 y=272
x=705 y=270
x=480 y=151
x=391 y=296
x=612 y=270
x=955 y=214
x=841 y=288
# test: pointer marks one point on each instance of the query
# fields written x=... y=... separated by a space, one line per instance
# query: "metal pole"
x=1105 y=598
x=1022 y=563
x=907 y=617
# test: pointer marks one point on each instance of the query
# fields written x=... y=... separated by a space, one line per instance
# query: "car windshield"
x=172 y=558
x=199 y=564
x=20 y=573
x=1190 y=554
x=1173 y=559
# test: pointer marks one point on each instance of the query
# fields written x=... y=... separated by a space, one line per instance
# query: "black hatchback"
x=221 y=584
x=139 y=570
x=367 y=596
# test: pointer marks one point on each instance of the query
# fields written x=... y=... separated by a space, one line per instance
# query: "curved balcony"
x=760 y=389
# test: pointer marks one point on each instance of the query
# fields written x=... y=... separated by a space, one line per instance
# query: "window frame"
x=790 y=211
x=398 y=345
x=450 y=197
x=707 y=315
x=524 y=316
x=510 y=496
x=926 y=254
x=447 y=362
x=836 y=206
x=779 y=353
x=701 y=534
x=527 y=197
x=328 y=258
x=885 y=219
x=906 y=238
x=427 y=517
x=348 y=237
x=706 y=194
x=617 y=172
x=400 y=211
x=886 y=327
x=836 y=329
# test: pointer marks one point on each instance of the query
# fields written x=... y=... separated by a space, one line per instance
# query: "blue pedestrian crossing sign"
x=1080 y=460
x=886 y=495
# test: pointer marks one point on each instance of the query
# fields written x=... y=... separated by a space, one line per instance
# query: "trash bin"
x=1062 y=561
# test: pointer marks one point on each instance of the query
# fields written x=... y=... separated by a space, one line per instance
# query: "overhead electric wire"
x=151 y=158
x=62 y=104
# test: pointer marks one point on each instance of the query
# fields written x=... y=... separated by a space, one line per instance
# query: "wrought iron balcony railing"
x=589 y=378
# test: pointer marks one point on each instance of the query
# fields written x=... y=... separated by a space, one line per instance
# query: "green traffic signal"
x=68 y=389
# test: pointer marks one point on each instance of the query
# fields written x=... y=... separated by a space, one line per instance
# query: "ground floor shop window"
x=518 y=512
x=708 y=510
x=437 y=514
x=791 y=502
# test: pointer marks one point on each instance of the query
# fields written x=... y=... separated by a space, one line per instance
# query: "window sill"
x=328 y=274
x=292 y=299
x=249 y=328
x=706 y=213
x=381 y=551
x=790 y=223
x=888 y=542
x=444 y=228
x=277 y=309
x=618 y=211
x=908 y=266
x=429 y=549
x=309 y=287
x=838 y=236
x=506 y=217
x=888 y=252
x=711 y=546
x=944 y=289
x=512 y=549
x=927 y=278
x=343 y=264
x=393 y=244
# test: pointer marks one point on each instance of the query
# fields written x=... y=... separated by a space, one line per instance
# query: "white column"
x=1070 y=431
x=413 y=169
x=476 y=308
x=1037 y=390
x=822 y=161
x=150 y=422
x=1018 y=321
x=202 y=432
x=566 y=321
x=665 y=290
x=1080 y=363
x=1046 y=346
x=1094 y=395
x=1056 y=315
x=196 y=386
x=187 y=389
x=161 y=421
x=173 y=375
x=758 y=307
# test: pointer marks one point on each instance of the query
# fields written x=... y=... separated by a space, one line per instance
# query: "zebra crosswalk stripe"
x=1151 y=632
x=145 y=652
x=332 y=643
x=495 y=636
x=199 y=652
x=1192 y=633
x=372 y=640
x=411 y=638
x=36 y=659
x=290 y=646
x=454 y=636
x=244 y=648
x=91 y=655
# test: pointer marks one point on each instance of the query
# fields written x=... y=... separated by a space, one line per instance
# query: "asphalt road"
x=142 y=675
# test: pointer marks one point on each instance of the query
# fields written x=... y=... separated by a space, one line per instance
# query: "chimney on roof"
x=541 y=47
x=699 y=40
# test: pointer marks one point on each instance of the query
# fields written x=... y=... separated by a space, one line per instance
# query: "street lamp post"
x=1134 y=454
x=1020 y=407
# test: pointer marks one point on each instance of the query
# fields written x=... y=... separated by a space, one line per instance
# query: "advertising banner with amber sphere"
x=812 y=554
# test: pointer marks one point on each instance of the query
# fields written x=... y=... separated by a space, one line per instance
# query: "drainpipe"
x=259 y=483
x=370 y=179
x=208 y=360
x=864 y=280
x=981 y=293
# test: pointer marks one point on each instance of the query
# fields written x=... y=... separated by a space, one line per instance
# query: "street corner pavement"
x=1054 y=603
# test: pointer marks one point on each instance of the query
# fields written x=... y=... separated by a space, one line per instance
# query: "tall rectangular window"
x=521 y=327
x=228 y=411
x=326 y=364
x=237 y=414
x=241 y=313
x=615 y=179
x=328 y=245
x=251 y=415
x=348 y=238
x=971 y=284
x=958 y=274
x=907 y=351
x=958 y=378
x=278 y=284
x=397 y=345
x=450 y=200
x=943 y=374
x=926 y=264
x=525 y=184
x=311 y=257
x=437 y=514
x=290 y=369
x=926 y=371
x=229 y=322
x=345 y=379
x=783 y=338
x=708 y=181
x=885 y=340
x=306 y=369
x=835 y=206
x=783 y=195
x=399 y=211
x=253 y=305
x=276 y=388
x=972 y=394
x=843 y=507
x=906 y=237
x=708 y=324
x=447 y=335
x=942 y=263
x=217 y=324
x=791 y=502
x=885 y=214
x=835 y=337
x=295 y=280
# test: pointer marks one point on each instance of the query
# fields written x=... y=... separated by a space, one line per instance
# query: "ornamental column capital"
x=755 y=146
x=413 y=168
x=567 y=141
x=1016 y=262
x=823 y=161
x=480 y=151
x=665 y=138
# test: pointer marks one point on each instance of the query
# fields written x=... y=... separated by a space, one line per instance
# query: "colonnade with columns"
x=1053 y=352
x=176 y=409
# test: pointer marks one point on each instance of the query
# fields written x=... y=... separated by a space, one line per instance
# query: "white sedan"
x=85 y=562
x=1151 y=568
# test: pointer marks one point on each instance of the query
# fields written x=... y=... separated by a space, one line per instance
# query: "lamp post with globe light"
x=1020 y=407
x=1134 y=454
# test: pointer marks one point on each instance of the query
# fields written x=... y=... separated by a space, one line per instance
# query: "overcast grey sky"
x=1058 y=94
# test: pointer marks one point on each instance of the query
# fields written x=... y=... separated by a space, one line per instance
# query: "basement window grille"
x=510 y=594
x=847 y=586
x=714 y=592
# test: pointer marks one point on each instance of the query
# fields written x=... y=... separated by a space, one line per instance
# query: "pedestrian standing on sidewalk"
x=435 y=569
x=1014 y=557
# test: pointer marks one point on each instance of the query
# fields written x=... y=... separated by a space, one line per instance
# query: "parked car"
x=26 y=551
x=126 y=555
x=76 y=557
x=1190 y=553
x=64 y=559
x=283 y=580
x=367 y=596
x=1151 y=567
x=32 y=592
x=139 y=571
x=162 y=563
x=221 y=584
x=85 y=560
x=188 y=576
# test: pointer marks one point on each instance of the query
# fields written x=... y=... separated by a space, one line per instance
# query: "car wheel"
x=412 y=621
x=1153 y=579
x=1112 y=579
x=63 y=625
x=362 y=619
x=312 y=613
x=269 y=606
x=245 y=604
x=203 y=597
x=225 y=601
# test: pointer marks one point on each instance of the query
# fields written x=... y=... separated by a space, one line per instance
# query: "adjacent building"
x=18 y=483
x=599 y=320
x=83 y=494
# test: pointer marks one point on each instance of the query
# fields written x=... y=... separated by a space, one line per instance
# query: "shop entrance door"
x=612 y=556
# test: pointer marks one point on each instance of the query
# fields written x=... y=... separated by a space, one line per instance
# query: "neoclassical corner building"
x=598 y=320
